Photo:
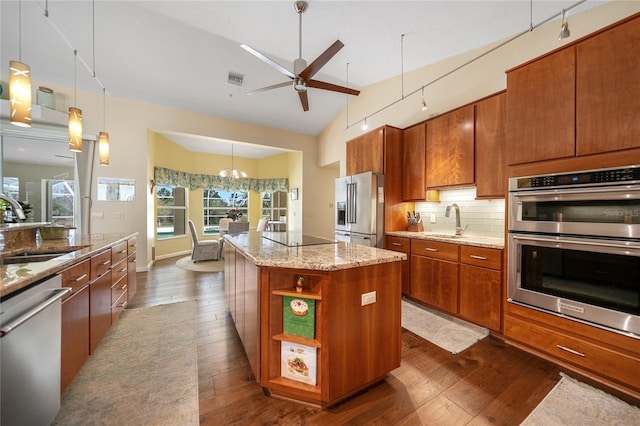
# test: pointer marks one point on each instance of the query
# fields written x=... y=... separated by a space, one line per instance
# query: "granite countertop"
x=471 y=240
x=322 y=257
x=17 y=276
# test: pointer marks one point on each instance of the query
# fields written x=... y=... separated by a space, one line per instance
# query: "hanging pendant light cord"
x=20 y=31
x=93 y=47
x=75 y=78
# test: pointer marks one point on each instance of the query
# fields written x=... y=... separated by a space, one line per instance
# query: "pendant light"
x=424 y=104
x=75 y=114
x=564 y=29
x=20 y=84
x=232 y=173
x=103 y=137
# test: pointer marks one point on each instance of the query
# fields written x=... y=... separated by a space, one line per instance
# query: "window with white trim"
x=171 y=211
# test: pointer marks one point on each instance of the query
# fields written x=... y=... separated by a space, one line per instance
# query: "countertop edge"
x=471 y=240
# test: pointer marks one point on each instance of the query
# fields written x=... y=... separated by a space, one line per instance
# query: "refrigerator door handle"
x=352 y=202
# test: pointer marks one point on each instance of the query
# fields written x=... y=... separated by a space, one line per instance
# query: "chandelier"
x=232 y=173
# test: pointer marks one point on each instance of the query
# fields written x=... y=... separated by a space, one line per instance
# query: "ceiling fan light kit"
x=302 y=73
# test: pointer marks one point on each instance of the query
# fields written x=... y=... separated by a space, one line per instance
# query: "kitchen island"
x=338 y=333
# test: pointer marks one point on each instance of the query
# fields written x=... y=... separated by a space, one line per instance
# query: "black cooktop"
x=295 y=239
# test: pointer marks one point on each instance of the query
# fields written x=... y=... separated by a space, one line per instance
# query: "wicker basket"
x=54 y=232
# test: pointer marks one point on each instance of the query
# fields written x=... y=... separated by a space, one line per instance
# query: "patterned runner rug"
x=144 y=372
x=572 y=402
x=451 y=334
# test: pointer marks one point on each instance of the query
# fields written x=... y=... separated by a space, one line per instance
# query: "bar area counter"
x=319 y=319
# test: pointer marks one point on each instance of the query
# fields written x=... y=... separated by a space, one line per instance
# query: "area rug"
x=203 y=266
x=144 y=372
x=572 y=402
x=451 y=334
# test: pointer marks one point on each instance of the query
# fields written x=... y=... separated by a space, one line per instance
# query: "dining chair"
x=203 y=249
x=262 y=224
x=238 y=227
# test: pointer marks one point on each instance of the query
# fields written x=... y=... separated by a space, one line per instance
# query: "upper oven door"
x=599 y=211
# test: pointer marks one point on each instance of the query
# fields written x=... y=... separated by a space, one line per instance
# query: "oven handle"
x=589 y=242
x=554 y=193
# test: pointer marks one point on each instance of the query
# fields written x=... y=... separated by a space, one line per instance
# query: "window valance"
x=192 y=181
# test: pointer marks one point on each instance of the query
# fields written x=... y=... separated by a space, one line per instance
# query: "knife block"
x=418 y=227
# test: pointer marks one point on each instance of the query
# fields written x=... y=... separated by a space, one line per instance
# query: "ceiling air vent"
x=235 y=78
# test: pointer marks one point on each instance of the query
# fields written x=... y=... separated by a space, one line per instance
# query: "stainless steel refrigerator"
x=359 y=209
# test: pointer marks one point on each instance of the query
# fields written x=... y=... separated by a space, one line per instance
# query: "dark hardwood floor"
x=490 y=383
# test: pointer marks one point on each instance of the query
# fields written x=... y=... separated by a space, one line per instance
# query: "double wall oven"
x=574 y=246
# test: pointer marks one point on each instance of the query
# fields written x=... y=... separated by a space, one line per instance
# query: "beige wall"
x=475 y=81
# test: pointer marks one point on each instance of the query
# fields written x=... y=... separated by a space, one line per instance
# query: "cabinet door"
x=373 y=151
x=414 y=163
x=490 y=161
x=100 y=308
x=480 y=296
x=435 y=282
x=354 y=157
x=541 y=109
x=402 y=245
x=608 y=90
x=437 y=152
x=75 y=335
x=461 y=147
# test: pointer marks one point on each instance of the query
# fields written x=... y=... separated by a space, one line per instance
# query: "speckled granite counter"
x=472 y=240
x=322 y=257
x=17 y=276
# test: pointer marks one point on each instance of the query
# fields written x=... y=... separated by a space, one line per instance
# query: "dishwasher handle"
x=58 y=293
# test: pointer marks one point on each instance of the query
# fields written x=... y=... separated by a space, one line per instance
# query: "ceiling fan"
x=302 y=73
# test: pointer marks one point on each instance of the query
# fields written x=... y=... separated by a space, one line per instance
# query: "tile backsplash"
x=483 y=217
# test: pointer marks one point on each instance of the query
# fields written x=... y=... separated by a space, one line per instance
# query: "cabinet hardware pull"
x=122 y=251
x=123 y=287
x=122 y=305
x=81 y=277
x=473 y=256
x=564 y=348
x=430 y=249
x=396 y=244
x=106 y=262
x=123 y=269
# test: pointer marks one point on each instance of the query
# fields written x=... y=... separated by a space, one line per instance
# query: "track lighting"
x=364 y=125
x=564 y=29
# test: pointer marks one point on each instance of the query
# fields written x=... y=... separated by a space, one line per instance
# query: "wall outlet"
x=368 y=298
x=97 y=215
x=433 y=218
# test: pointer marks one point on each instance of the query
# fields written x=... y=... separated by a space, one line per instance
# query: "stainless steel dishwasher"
x=30 y=346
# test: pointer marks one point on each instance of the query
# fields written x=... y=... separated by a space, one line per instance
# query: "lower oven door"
x=591 y=280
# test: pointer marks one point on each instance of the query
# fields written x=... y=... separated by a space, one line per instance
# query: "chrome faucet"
x=15 y=206
x=447 y=212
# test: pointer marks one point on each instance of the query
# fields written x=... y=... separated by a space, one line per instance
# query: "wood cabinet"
x=583 y=99
x=131 y=268
x=480 y=286
x=99 y=298
x=434 y=274
x=75 y=322
x=402 y=244
x=608 y=90
x=119 y=282
x=414 y=185
x=490 y=146
x=450 y=149
x=366 y=153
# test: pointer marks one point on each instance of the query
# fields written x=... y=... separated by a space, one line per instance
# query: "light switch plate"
x=368 y=298
x=433 y=218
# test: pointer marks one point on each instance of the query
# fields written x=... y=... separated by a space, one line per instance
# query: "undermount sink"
x=32 y=256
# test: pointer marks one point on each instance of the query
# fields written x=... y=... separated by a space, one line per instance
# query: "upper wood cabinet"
x=413 y=169
x=490 y=146
x=540 y=108
x=450 y=149
x=366 y=153
x=581 y=100
x=608 y=90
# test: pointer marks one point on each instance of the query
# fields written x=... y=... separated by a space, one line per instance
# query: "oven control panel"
x=599 y=177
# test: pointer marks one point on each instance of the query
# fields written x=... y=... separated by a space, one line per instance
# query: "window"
x=217 y=204
x=274 y=205
x=172 y=211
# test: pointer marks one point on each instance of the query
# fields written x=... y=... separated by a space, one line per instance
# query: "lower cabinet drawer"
x=118 y=306
x=118 y=288
x=601 y=360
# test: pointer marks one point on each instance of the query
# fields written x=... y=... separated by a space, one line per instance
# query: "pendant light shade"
x=103 y=148
x=20 y=93
x=232 y=173
x=75 y=129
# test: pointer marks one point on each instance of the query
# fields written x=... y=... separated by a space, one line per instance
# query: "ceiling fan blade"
x=316 y=84
x=268 y=60
x=264 y=89
x=304 y=100
x=321 y=60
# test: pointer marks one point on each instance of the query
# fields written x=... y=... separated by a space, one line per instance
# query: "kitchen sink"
x=32 y=256
x=444 y=235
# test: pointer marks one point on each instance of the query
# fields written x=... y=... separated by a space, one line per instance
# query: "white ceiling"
x=179 y=53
